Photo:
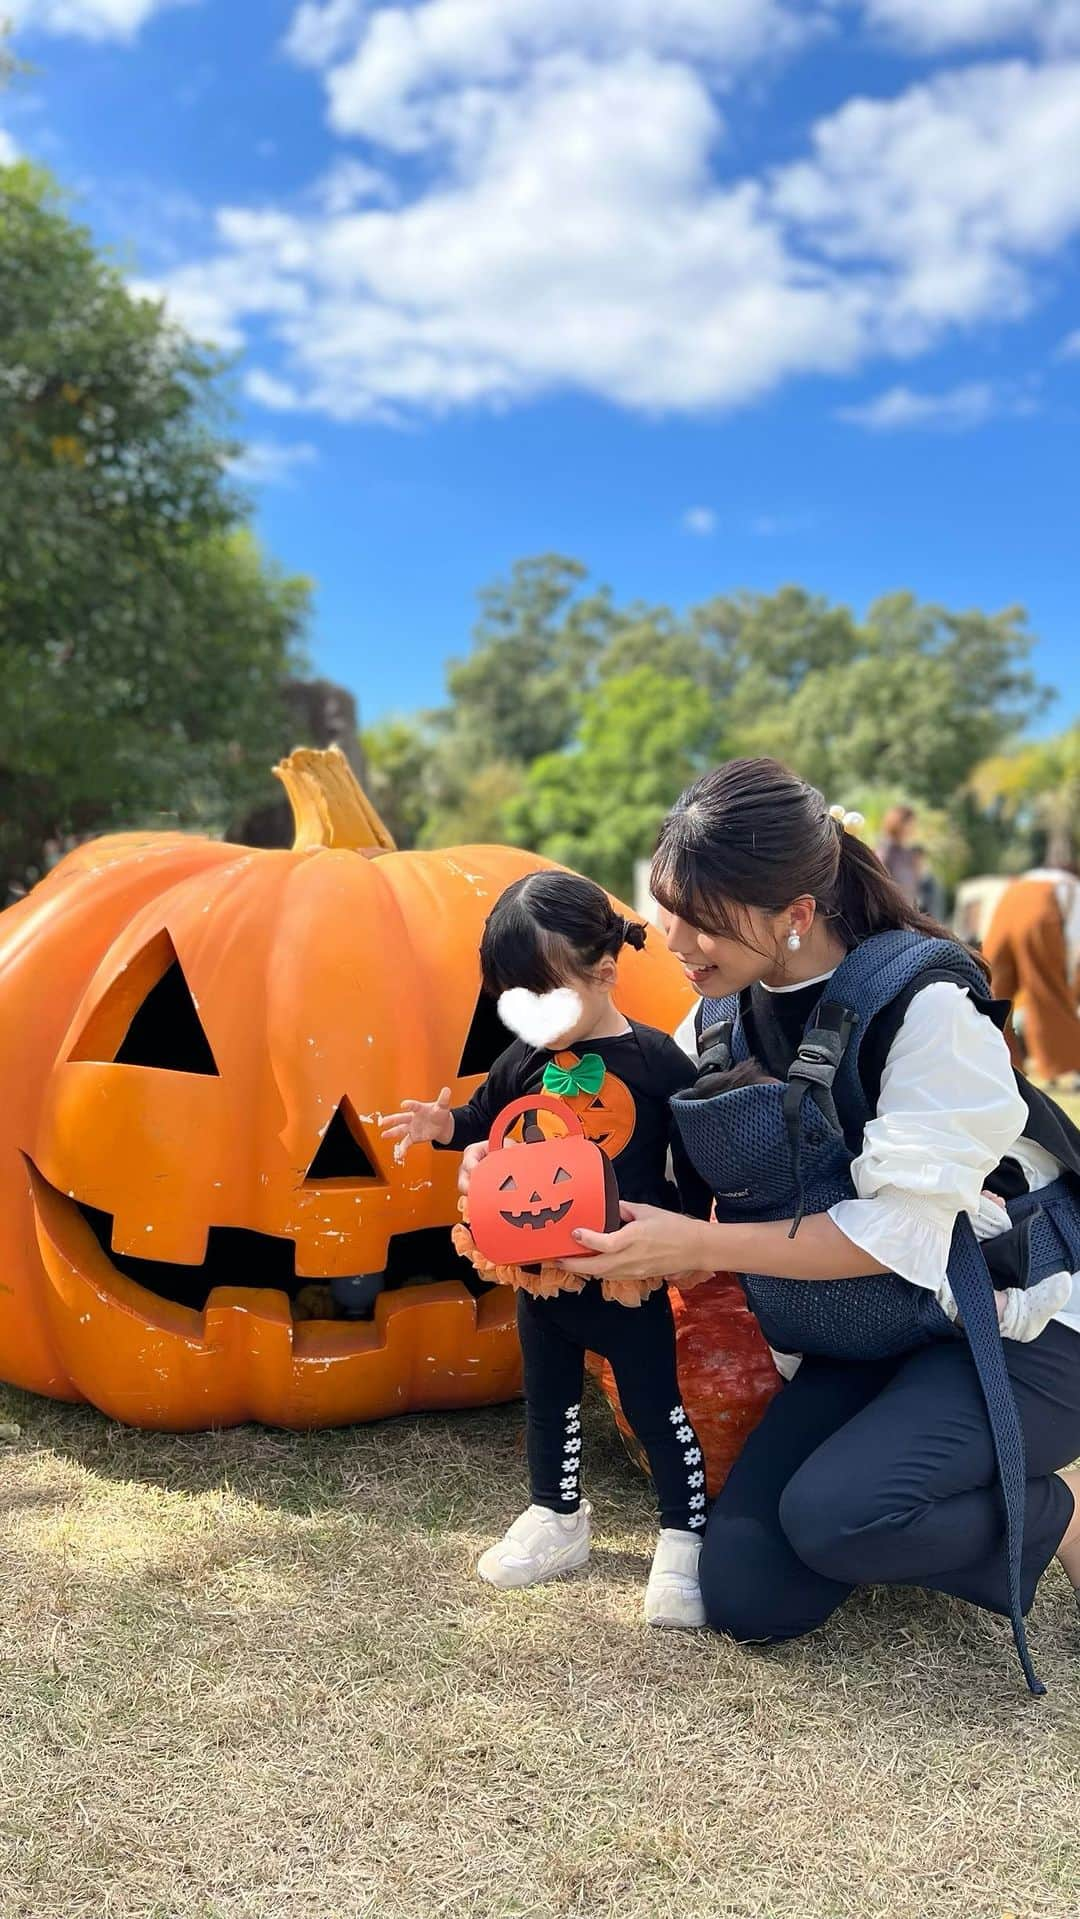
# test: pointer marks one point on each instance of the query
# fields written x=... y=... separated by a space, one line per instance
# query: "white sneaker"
x=673 y=1595
x=540 y=1544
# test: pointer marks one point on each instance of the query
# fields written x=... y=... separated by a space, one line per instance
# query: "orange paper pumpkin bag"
x=526 y=1201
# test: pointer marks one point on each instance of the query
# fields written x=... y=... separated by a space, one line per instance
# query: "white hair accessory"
x=850 y=822
x=540 y=1018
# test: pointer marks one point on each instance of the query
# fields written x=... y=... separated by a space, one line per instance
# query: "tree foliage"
x=143 y=639
x=574 y=722
x=1035 y=791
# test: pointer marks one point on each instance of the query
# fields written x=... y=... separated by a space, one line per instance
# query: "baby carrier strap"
x=885 y=971
x=718 y=1022
x=882 y=974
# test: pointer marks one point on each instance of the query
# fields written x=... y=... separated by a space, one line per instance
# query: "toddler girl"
x=549 y=954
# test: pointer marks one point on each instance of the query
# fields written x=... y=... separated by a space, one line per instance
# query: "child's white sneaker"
x=540 y=1544
x=673 y=1595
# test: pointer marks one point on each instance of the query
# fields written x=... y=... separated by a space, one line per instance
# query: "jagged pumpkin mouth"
x=236 y=1257
x=546 y=1216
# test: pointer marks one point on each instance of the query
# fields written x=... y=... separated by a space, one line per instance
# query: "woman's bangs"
x=679 y=884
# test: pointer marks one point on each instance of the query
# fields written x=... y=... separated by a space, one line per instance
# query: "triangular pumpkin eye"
x=486 y=1039
x=341 y=1154
x=149 y=1018
x=560 y=1176
x=508 y=1186
x=166 y=1031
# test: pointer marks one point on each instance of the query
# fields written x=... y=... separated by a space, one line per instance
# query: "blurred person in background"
x=896 y=853
x=929 y=892
x=1033 y=947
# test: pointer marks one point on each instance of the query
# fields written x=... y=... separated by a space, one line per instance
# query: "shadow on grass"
x=435 y=1485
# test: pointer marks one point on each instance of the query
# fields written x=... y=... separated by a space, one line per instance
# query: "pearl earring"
x=794 y=942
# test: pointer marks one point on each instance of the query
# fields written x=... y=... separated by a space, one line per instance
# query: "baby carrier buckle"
x=810 y=1076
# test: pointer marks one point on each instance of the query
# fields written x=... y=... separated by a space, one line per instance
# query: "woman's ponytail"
x=867 y=899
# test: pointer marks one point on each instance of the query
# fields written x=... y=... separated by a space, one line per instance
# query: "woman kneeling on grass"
x=872 y=1470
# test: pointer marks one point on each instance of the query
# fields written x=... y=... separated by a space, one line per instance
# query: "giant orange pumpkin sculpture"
x=196 y=1040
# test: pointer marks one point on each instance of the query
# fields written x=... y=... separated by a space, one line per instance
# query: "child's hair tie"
x=634 y=934
x=847 y=822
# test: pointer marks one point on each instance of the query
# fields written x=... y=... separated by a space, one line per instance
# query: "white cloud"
x=351 y=183
x=940 y=198
x=87 y=19
x=268 y=391
x=272 y=462
x=582 y=237
x=407 y=76
x=1070 y=346
x=9 y=152
x=321 y=29
x=932 y=25
x=956 y=410
x=700 y=520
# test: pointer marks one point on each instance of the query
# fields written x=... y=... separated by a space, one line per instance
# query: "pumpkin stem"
x=329 y=806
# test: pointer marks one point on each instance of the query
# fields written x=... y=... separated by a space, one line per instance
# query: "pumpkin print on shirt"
x=608 y=1117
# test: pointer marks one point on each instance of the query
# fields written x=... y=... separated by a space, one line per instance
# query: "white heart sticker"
x=540 y=1018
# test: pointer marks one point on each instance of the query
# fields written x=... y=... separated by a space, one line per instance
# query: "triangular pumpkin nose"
x=341 y=1154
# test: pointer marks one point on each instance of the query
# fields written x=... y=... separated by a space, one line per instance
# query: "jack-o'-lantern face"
x=608 y=1117
x=196 y=1042
x=531 y=1212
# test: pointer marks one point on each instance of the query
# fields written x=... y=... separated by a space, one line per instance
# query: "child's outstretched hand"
x=419 y=1121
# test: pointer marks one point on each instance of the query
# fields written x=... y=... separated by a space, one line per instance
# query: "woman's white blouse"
x=948 y=1113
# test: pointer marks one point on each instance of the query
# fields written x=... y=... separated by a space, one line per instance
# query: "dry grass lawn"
x=250 y=1675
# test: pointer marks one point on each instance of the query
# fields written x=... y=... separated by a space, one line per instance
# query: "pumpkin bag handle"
x=528 y=1103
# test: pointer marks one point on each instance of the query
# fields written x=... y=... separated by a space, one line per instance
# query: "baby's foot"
x=1023 y=1315
x=673 y=1595
x=540 y=1544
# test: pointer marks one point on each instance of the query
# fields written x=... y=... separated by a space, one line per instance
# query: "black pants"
x=639 y=1342
x=883 y=1474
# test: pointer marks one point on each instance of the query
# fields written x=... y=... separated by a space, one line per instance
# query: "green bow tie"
x=586 y=1077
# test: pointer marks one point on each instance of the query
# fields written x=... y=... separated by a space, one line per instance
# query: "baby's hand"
x=419 y=1121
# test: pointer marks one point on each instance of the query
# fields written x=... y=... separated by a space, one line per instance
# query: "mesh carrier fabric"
x=768 y=1153
x=744 y=1133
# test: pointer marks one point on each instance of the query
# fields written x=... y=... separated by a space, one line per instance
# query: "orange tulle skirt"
x=550 y=1279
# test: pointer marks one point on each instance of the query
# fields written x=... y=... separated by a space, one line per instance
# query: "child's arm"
x=455 y=1127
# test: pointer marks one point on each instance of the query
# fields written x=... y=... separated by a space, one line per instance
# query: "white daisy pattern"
x=691 y=1511
x=569 y=1484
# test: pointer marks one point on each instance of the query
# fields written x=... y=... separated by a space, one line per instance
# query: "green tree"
x=397 y=758
x=1035 y=793
x=597 y=806
x=143 y=639
x=518 y=693
x=923 y=697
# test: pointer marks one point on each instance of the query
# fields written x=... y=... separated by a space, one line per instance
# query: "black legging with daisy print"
x=639 y=1343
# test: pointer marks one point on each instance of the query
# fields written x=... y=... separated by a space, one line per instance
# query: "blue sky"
x=707 y=293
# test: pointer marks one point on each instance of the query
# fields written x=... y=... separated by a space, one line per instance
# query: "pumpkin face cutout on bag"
x=526 y=1202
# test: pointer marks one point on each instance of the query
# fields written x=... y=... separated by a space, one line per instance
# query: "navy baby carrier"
x=777 y=1151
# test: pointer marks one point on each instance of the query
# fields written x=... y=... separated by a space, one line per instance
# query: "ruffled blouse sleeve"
x=948 y=1112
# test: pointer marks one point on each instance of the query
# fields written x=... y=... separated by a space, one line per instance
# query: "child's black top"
x=651 y=1067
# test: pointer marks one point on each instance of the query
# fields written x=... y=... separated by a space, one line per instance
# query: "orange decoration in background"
x=196 y=1042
